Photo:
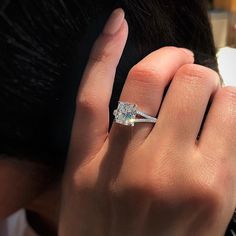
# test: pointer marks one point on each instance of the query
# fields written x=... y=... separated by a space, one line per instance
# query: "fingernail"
x=188 y=52
x=114 y=22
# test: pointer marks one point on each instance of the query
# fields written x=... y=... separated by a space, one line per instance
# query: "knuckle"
x=178 y=52
x=229 y=93
x=143 y=75
x=197 y=75
x=84 y=103
x=210 y=196
x=99 y=57
x=172 y=191
x=137 y=186
x=88 y=104
x=82 y=180
x=99 y=53
x=226 y=97
x=209 y=187
x=146 y=185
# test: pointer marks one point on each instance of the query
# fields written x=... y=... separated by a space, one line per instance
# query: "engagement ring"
x=128 y=114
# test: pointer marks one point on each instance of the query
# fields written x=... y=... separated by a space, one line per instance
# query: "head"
x=44 y=48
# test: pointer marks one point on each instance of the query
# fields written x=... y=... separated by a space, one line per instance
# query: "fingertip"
x=125 y=24
x=124 y=30
x=114 y=22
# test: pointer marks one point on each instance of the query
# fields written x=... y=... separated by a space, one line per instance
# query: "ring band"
x=127 y=114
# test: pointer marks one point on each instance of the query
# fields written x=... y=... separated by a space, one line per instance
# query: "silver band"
x=127 y=114
x=148 y=118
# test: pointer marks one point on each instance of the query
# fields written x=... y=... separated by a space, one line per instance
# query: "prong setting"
x=125 y=114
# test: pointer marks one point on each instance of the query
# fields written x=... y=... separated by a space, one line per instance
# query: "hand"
x=150 y=179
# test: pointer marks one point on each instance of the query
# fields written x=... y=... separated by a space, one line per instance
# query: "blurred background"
x=222 y=14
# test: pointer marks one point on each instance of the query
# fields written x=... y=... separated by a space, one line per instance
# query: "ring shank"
x=148 y=119
x=145 y=121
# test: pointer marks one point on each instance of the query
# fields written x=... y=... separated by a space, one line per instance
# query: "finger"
x=185 y=104
x=92 y=110
x=218 y=138
x=146 y=83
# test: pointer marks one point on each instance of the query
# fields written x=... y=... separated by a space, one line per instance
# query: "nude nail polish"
x=114 y=22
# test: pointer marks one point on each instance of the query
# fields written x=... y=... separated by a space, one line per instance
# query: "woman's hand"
x=150 y=179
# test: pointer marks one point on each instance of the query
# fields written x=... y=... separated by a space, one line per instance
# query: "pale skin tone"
x=146 y=180
x=151 y=179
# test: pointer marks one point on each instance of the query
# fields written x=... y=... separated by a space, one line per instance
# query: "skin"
x=27 y=185
x=10 y=171
x=151 y=179
x=159 y=178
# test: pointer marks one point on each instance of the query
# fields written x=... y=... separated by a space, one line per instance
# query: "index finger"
x=91 y=119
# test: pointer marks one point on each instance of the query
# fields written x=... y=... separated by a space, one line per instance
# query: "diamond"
x=125 y=113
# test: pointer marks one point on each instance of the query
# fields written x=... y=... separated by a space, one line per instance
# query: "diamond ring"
x=128 y=114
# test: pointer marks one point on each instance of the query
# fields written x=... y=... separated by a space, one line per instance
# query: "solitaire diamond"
x=128 y=114
x=125 y=113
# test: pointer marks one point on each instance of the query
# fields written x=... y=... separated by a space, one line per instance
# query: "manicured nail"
x=187 y=51
x=114 y=22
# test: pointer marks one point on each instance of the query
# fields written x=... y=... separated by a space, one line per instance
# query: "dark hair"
x=44 y=46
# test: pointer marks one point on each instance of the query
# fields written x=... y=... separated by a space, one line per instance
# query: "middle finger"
x=185 y=104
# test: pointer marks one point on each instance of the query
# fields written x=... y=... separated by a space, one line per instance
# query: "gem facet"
x=125 y=113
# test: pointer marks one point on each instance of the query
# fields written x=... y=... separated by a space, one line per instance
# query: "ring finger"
x=145 y=87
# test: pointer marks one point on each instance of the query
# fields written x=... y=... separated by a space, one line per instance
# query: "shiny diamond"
x=125 y=113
